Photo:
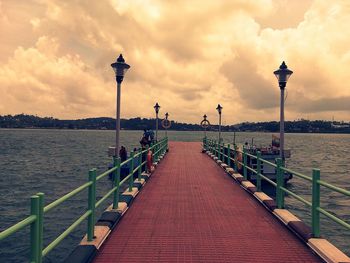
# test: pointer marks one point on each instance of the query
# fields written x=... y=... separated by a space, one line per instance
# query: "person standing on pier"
x=123 y=154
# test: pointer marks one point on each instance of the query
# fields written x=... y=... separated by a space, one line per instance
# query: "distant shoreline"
x=141 y=130
x=23 y=121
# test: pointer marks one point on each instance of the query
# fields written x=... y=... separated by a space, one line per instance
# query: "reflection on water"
x=56 y=161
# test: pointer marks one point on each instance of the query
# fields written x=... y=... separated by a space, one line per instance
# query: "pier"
x=191 y=211
x=191 y=205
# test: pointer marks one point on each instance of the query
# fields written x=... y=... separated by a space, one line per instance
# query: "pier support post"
x=116 y=182
x=258 y=170
x=91 y=204
x=279 y=180
x=245 y=164
x=315 y=214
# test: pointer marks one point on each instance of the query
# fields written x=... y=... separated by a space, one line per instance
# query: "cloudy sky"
x=188 y=56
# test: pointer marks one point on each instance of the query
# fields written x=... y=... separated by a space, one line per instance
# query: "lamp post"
x=219 y=109
x=156 y=108
x=120 y=68
x=282 y=74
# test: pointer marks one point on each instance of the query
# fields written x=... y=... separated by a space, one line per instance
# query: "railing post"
x=145 y=158
x=91 y=204
x=41 y=226
x=228 y=155
x=131 y=179
x=279 y=181
x=315 y=203
x=258 y=170
x=157 y=151
x=245 y=164
x=116 y=183
x=34 y=229
x=234 y=157
x=222 y=152
x=161 y=147
x=165 y=146
x=215 y=149
x=154 y=151
x=218 y=147
x=140 y=165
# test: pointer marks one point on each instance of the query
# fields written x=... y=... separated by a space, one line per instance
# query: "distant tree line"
x=104 y=123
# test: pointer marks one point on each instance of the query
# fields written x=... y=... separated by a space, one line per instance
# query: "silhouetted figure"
x=147 y=138
x=123 y=154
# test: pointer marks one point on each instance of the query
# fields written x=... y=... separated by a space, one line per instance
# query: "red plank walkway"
x=190 y=211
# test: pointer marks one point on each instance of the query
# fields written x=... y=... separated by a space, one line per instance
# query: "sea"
x=55 y=162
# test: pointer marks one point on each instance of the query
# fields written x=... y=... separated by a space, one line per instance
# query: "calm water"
x=57 y=161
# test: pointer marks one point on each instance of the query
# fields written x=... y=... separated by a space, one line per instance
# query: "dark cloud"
x=254 y=90
x=320 y=105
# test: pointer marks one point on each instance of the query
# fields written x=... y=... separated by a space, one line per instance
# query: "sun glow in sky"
x=186 y=55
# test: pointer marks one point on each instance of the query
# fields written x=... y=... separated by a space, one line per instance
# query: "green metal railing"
x=225 y=152
x=37 y=208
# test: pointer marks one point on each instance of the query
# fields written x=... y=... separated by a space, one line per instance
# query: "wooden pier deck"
x=191 y=211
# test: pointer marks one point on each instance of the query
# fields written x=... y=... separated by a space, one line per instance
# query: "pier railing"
x=235 y=157
x=37 y=209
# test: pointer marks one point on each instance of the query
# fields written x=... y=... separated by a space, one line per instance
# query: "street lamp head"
x=166 y=115
x=120 y=68
x=156 y=108
x=282 y=74
x=205 y=117
x=219 y=108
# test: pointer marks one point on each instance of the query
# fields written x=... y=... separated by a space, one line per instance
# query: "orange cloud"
x=188 y=56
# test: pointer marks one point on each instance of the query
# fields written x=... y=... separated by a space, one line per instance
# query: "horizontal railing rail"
x=37 y=211
x=239 y=157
